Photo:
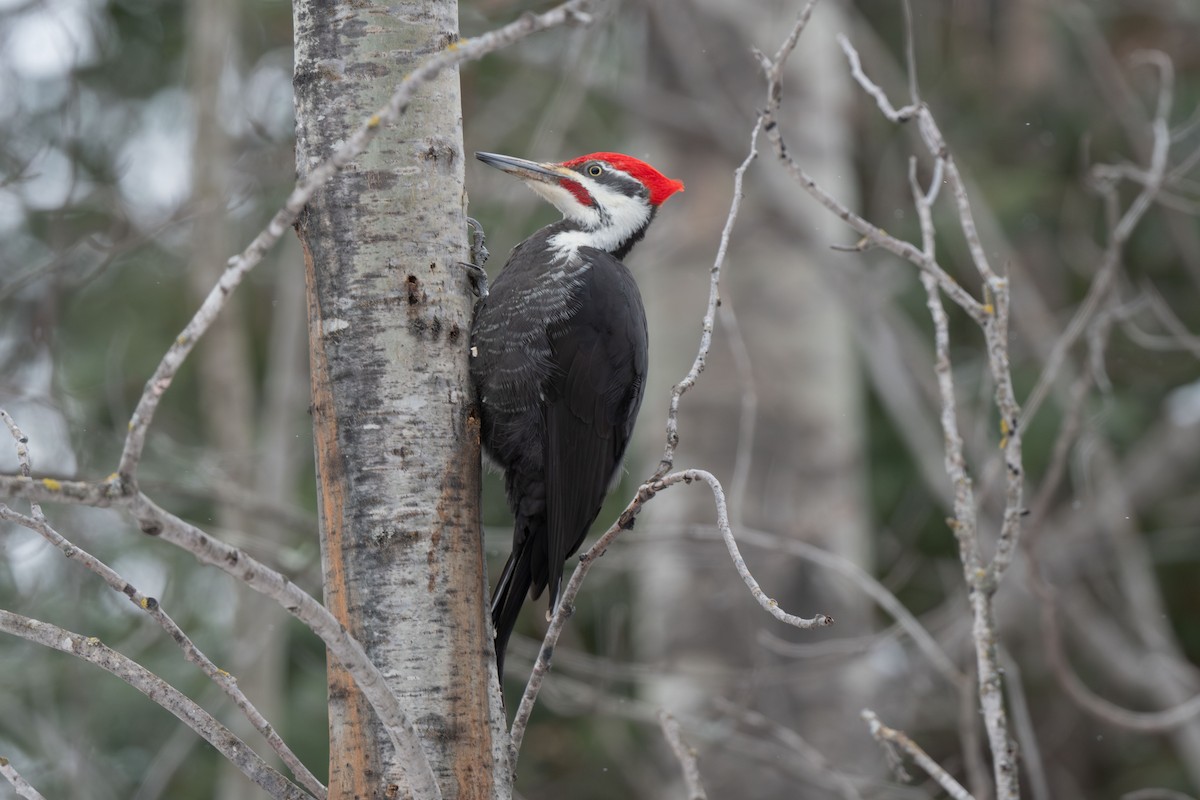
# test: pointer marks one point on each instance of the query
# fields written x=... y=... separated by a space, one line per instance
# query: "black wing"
x=600 y=358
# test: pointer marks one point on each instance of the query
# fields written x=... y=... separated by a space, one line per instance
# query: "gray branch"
x=240 y=264
x=684 y=753
x=94 y=651
x=991 y=315
x=22 y=786
x=624 y=522
x=892 y=737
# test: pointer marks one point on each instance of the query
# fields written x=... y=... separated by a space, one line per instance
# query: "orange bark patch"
x=350 y=761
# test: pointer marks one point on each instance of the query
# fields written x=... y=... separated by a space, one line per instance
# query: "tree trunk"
x=396 y=433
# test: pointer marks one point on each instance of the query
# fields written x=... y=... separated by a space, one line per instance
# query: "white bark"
x=396 y=436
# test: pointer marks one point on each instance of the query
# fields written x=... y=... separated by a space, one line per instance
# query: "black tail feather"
x=510 y=594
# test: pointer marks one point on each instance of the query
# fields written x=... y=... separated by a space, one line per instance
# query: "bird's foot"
x=479 y=251
x=477 y=275
x=479 y=256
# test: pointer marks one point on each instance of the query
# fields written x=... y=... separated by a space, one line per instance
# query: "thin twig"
x=1067 y=432
x=153 y=608
x=890 y=736
x=872 y=234
x=978 y=776
x=455 y=53
x=893 y=114
x=1118 y=236
x=710 y=311
x=22 y=786
x=992 y=317
x=624 y=522
x=93 y=651
x=266 y=581
x=1158 y=306
x=684 y=753
x=24 y=462
x=95 y=494
x=156 y=521
x=859 y=577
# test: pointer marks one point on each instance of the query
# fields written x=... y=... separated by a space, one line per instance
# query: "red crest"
x=661 y=187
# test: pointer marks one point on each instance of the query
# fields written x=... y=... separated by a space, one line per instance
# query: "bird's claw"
x=479 y=251
x=477 y=275
x=479 y=256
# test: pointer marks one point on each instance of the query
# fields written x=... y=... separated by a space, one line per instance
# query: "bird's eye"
x=595 y=170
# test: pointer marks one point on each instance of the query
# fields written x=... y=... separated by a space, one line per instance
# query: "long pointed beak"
x=521 y=168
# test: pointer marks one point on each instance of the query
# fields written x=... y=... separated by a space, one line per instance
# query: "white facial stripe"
x=626 y=215
x=623 y=217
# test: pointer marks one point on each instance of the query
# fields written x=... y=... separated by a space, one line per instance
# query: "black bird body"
x=559 y=359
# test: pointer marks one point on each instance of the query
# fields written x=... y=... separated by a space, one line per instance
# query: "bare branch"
x=256 y=575
x=873 y=235
x=24 y=462
x=22 y=443
x=889 y=736
x=1053 y=475
x=156 y=521
x=92 y=650
x=969 y=739
x=910 y=56
x=1118 y=235
x=264 y=580
x=624 y=522
x=1184 y=339
x=934 y=141
x=992 y=317
x=22 y=787
x=151 y=606
x=685 y=754
x=239 y=265
x=714 y=300
x=866 y=583
x=955 y=460
x=893 y=114
x=97 y=494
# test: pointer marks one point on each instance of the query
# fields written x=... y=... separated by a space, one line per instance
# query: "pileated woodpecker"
x=558 y=358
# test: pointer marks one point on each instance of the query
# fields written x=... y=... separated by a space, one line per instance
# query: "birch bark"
x=396 y=434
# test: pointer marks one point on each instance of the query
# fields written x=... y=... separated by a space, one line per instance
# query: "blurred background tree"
x=143 y=142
